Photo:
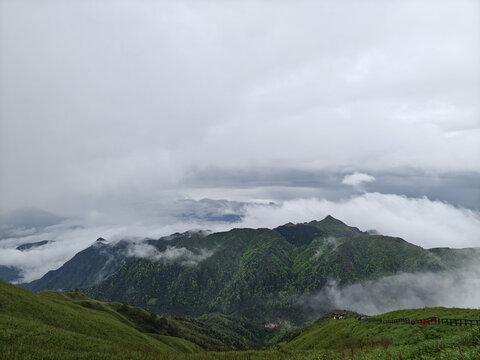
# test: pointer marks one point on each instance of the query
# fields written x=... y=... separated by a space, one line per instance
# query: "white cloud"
x=402 y=291
x=72 y=237
x=357 y=180
x=418 y=220
x=171 y=253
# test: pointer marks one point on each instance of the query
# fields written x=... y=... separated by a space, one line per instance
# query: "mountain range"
x=260 y=274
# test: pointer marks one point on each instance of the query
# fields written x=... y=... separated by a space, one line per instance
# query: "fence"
x=432 y=320
x=459 y=322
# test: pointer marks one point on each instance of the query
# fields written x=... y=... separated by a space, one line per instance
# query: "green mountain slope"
x=72 y=326
x=37 y=326
x=261 y=273
x=370 y=340
x=53 y=325
x=256 y=273
x=88 y=267
x=247 y=265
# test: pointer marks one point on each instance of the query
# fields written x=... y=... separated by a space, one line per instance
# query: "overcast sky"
x=122 y=109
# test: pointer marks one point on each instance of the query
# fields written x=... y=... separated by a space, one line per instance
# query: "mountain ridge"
x=259 y=273
x=262 y=272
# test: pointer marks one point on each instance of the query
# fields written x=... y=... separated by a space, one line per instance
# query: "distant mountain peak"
x=28 y=246
x=335 y=227
x=330 y=219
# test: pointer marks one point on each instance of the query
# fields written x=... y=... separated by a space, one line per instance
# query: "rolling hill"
x=70 y=325
x=351 y=338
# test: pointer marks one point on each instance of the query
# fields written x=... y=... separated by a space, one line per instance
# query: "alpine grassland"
x=351 y=338
x=54 y=325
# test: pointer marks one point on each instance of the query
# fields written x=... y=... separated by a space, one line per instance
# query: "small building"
x=339 y=314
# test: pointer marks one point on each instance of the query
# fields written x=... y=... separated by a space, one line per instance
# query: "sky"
x=144 y=117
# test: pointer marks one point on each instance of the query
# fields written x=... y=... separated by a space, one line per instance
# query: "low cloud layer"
x=69 y=240
x=459 y=288
x=418 y=220
x=170 y=254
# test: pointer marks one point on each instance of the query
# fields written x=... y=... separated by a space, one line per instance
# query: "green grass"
x=70 y=326
x=52 y=325
x=371 y=340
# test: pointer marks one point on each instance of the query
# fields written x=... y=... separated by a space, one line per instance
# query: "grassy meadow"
x=53 y=325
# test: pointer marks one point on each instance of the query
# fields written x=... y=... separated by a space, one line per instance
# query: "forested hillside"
x=262 y=273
